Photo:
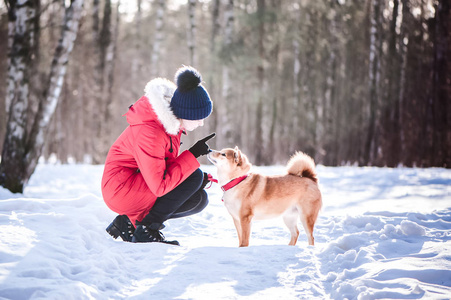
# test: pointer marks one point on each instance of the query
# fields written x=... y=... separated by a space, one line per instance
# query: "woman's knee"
x=194 y=205
x=203 y=202
x=196 y=178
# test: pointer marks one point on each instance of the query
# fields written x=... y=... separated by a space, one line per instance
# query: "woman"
x=145 y=180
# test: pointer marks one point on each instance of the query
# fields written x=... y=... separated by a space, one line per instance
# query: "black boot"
x=121 y=226
x=151 y=234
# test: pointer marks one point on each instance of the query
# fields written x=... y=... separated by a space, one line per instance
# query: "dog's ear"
x=237 y=156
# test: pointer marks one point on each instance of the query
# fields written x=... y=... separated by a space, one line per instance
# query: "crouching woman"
x=145 y=180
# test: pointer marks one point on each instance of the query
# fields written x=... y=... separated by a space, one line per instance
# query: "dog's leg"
x=308 y=219
x=245 y=222
x=309 y=231
x=291 y=219
x=238 y=230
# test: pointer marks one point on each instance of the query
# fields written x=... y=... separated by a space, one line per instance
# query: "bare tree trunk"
x=296 y=91
x=136 y=59
x=21 y=29
x=274 y=83
x=212 y=74
x=295 y=115
x=215 y=24
x=95 y=19
x=192 y=31
x=159 y=22
x=105 y=136
x=227 y=96
x=261 y=84
x=103 y=43
x=370 y=143
x=393 y=71
x=112 y=54
x=332 y=108
x=23 y=156
x=440 y=106
x=403 y=40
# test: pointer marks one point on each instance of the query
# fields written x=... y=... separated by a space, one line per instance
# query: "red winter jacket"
x=143 y=162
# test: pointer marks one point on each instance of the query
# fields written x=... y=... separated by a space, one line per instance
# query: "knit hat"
x=190 y=100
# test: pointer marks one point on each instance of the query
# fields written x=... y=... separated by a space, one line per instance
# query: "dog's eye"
x=223 y=154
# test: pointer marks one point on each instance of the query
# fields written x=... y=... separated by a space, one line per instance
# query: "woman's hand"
x=200 y=147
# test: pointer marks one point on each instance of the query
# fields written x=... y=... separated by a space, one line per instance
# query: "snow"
x=382 y=233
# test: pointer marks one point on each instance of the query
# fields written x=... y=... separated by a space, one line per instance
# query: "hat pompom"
x=187 y=78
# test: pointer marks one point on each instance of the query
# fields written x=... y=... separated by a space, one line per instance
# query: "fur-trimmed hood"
x=158 y=93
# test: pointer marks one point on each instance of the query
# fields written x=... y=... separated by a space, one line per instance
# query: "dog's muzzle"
x=210 y=158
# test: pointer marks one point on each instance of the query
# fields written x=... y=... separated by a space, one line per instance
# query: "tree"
x=22 y=147
x=261 y=10
x=192 y=31
x=226 y=92
x=159 y=34
x=213 y=68
x=102 y=42
x=21 y=50
x=440 y=101
x=374 y=77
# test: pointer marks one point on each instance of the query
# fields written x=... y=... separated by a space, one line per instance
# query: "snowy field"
x=382 y=234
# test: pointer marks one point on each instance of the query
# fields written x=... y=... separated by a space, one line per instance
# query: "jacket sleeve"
x=161 y=177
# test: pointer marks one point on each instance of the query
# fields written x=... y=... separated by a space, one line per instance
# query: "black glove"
x=201 y=147
x=204 y=182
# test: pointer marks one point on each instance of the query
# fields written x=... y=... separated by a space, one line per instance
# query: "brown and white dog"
x=250 y=196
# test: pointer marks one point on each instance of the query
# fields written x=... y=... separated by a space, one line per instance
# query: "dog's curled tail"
x=302 y=165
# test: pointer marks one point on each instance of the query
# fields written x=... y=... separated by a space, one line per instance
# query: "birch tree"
x=22 y=148
x=20 y=40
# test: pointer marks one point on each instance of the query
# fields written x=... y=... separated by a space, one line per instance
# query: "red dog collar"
x=233 y=183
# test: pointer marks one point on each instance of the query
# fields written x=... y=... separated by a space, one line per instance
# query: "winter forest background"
x=362 y=82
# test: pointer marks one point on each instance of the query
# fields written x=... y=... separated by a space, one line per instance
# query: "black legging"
x=185 y=200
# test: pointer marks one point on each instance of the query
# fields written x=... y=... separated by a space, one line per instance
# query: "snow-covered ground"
x=382 y=233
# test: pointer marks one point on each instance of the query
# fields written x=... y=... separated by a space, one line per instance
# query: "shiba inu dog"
x=249 y=196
